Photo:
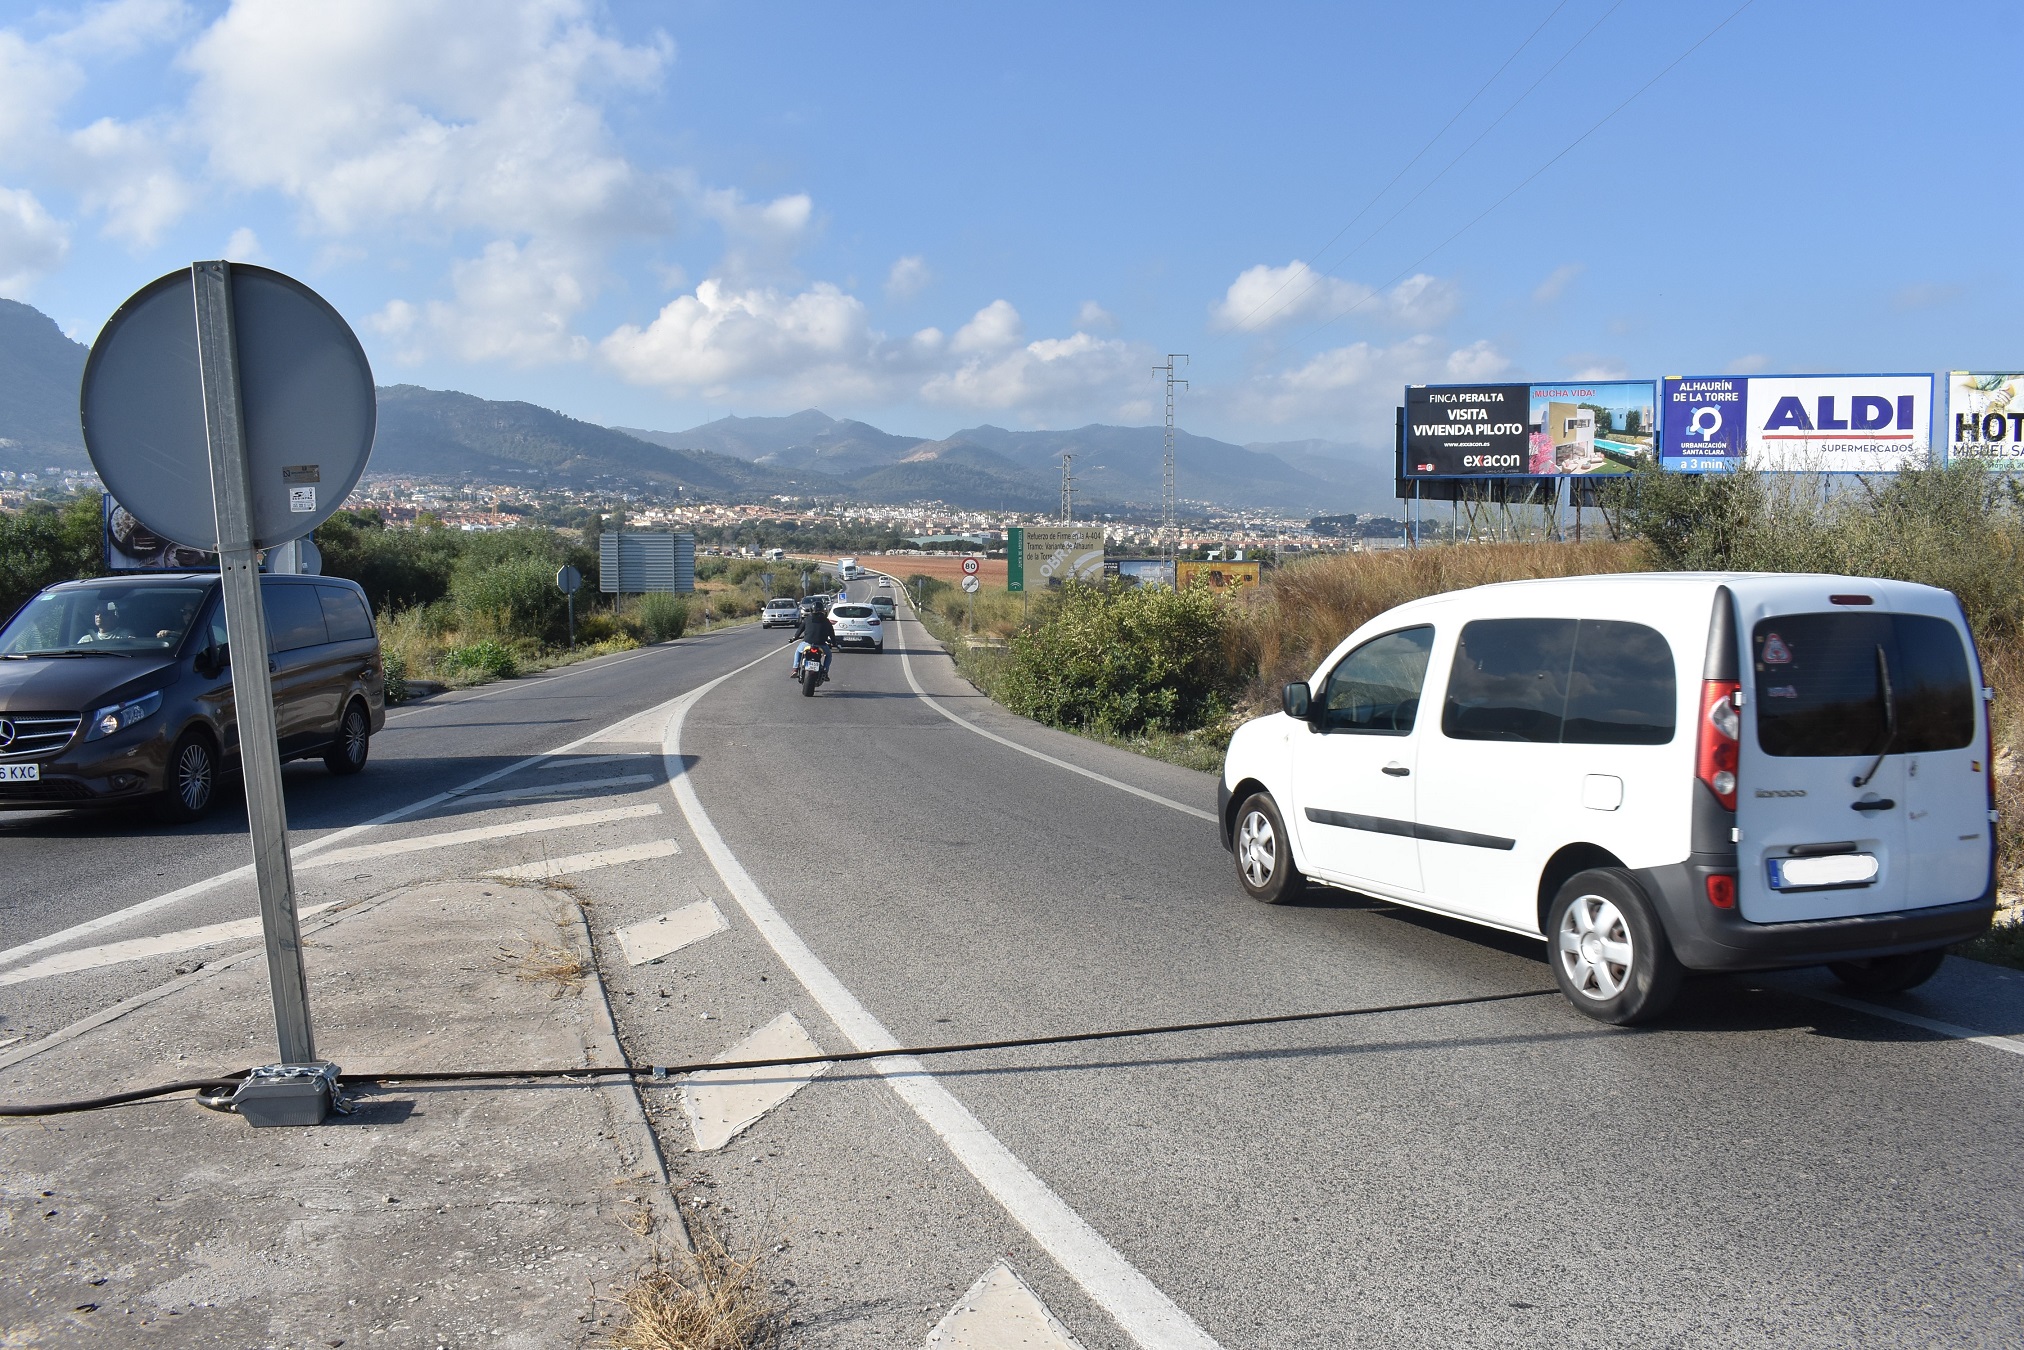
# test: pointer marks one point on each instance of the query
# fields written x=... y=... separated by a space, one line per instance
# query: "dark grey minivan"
x=119 y=690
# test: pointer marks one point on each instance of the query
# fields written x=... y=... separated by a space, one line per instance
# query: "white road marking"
x=1146 y=1314
x=1195 y=811
x=139 y=949
x=587 y=862
x=22 y=951
x=1000 y=1313
x=2008 y=1044
x=722 y=1104
x=451 y=838
x=653 y=939
x=558 y=789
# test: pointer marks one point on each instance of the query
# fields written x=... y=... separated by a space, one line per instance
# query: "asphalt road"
x=1765 y=1168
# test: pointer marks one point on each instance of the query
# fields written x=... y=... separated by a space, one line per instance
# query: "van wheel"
x=1264 y=854
x=1889 y=974
x=1609 y=953
x=347 y=754
x=190 y=784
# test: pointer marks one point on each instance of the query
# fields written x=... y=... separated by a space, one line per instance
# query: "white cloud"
x=1756 y=363
x=32 y=242
x=1050 y=380
x=994 y=328
x=511 y=303
x=243 y=246
x=908 y=278
x=1583 y=366
x=719 y=337
x=1360 y=382
x=1557 y=281
x=124 y=171
x=121 y=27
x=1264 y=297
x=1093 y=316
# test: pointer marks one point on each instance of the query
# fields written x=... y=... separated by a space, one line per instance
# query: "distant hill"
x=807 y=440
x=40 y=370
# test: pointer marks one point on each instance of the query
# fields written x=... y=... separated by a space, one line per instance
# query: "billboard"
x=1217 y=576
x=1570 y=428
x=1141 y=571
x=633 y=564
x=132 y=547
x=1052 y=555
x=1985 y=411
x=1795 y=423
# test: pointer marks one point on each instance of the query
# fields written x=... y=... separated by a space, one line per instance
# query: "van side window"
x=344 y=614
x=1622 y=689
x=1573 y=681
x=1510 y=680
x=1376 y=688
x=294 y=618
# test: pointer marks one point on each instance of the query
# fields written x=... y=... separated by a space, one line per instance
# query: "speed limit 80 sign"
x=969 y=567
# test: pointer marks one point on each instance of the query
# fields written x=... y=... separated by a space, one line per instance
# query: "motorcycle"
x=808 y=660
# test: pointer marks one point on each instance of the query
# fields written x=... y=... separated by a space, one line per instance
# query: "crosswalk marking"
x=339 y=856
x=139 y=949
x=652 y=939
x=560 y=789
x=1000 y=1313
x=721 y=1104
x=587 y=862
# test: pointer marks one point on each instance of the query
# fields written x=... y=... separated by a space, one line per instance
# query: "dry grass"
x=550 y=963
x=715 y=1298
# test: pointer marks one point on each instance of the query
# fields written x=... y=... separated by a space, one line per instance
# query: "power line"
x=1417 y=156
x=1566 y=150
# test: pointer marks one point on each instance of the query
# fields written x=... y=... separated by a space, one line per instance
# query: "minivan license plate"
x=1835 y=869
x=20 y=773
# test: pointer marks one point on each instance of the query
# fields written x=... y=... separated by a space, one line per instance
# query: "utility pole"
x=1067 y=489
x=1169 y=528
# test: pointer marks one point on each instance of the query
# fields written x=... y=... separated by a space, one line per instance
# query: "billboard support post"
x=252 y=690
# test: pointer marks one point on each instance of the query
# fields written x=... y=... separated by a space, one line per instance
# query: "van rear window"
x=1821 y=677
x=1571 y=681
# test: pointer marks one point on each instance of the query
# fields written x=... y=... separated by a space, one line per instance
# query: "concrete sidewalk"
x=456 y=1215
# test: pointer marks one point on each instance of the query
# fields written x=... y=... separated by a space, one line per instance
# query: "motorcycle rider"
x=815 y=628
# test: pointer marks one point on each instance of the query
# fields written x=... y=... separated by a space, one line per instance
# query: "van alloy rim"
x=354 y=736
x=193 y=776
x=1595 y=948
x=1257 y=847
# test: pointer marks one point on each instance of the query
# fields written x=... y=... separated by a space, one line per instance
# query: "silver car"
x=783 y=612
x=883 y=605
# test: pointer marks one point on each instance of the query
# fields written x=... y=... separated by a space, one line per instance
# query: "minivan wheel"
x=1889 y=974
x=347 y=754
x=1609 y=953
x=1264 y=855
x=190 y=784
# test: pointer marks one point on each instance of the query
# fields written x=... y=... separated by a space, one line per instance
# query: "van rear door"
x=1850 y=705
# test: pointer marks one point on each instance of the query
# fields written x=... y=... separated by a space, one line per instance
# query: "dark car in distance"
x=118 y=690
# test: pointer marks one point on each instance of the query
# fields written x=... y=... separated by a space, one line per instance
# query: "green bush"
x=1123 y=661
x=663 y=616
x=518 y=596
x=42 y=544
x=490 y=659
x=394 y=676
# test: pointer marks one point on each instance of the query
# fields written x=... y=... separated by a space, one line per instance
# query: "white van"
x=1654 y=773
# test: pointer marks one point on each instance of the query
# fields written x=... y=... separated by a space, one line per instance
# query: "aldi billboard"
x=1796 y=423
x=1570 y=428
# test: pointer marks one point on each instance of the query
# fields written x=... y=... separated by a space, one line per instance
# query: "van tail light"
x=1722 y=890
x=1721 y=732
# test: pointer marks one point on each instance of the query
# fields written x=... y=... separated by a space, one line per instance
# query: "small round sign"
x=970 y=584
x=970 y=566
x=305 y=389
x=569 y=580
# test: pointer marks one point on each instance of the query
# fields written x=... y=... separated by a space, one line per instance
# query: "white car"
x=857 y=624
x=1653 y=773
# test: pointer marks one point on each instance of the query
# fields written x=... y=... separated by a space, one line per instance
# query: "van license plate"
x=1836 y=869
x=20 y=773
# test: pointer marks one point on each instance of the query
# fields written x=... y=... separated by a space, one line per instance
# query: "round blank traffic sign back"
x=304 y=385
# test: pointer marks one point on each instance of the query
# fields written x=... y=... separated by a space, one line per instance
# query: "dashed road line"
x=560 y=789
x=1000 y=1313
x=663 y=936
x=451 y=838
x=587 y=862
x=1138 y=1306
x=139 y=949
x=722 y=1104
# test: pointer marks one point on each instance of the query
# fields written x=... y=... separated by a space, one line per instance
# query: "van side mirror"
x=1295 y=700
x=213 y=659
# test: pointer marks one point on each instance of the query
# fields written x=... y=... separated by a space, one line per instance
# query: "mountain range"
x=445 y=434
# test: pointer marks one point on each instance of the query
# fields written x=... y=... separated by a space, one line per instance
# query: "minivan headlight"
x=120 y=716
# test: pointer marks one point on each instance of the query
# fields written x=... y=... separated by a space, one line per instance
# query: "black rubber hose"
x=217 y=1088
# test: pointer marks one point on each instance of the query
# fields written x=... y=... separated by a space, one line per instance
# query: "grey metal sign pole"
x=252 y=691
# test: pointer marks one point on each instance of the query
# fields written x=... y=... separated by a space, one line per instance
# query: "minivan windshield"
x=1821 y=681
x=111 y=618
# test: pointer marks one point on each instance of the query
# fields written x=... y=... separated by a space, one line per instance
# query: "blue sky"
x=933 y=215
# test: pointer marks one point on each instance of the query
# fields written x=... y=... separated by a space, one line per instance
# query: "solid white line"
x=1146 y=1314
x=558 y=789
x=451 y=838
x=1195 y=811
x=588 y=862
x=2008 y=1044
x=23 y=951
x=139 y=949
